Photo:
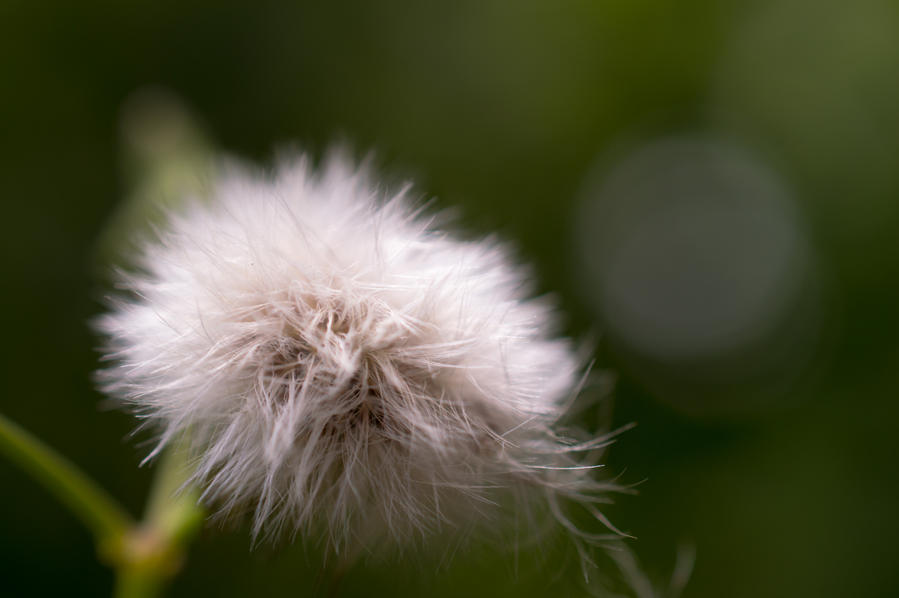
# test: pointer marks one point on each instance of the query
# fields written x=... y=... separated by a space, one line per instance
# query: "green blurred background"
x=710 y=188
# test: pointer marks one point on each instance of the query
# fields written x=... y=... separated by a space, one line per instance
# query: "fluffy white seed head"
x=341 y=367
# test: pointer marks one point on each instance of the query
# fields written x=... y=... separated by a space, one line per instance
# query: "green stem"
x=155 y=551
x=138 y=583
x=108 y=520
x=146 y=555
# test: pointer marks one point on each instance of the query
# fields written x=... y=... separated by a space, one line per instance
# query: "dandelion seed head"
x=345 y=368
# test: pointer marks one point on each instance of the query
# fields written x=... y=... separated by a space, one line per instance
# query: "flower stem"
x=155 y=550
x=102 y=514
x=137 y=583
x=145 y=555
